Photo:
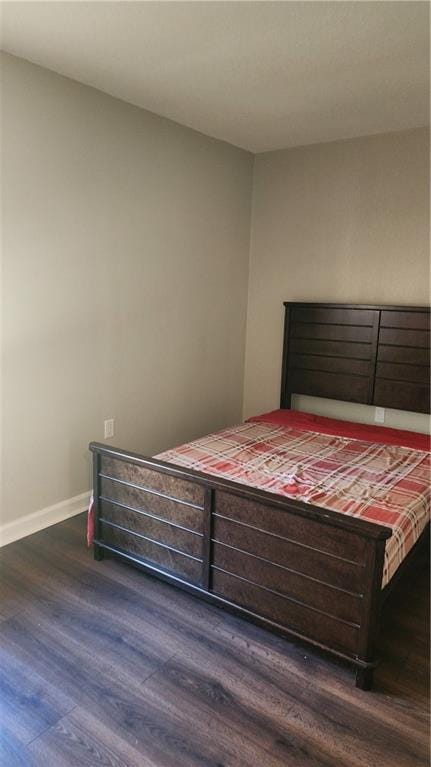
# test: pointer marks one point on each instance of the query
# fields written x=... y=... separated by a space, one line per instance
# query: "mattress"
x=378 y=474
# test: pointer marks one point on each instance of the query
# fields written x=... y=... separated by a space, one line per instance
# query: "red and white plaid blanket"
x=385 y=484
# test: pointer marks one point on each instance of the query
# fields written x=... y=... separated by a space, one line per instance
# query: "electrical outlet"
x=379 y=415
x=109 y=428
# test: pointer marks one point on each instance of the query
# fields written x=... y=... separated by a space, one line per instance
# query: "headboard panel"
x=374 y=355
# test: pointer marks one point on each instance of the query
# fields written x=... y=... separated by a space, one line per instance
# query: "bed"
x=301 y=524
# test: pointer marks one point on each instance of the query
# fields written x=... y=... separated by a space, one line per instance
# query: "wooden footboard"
x=295 y=568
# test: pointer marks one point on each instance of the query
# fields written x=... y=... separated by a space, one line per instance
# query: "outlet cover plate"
x=108 y=428
x=379 y=415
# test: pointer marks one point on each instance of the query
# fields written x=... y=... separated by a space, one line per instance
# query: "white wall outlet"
x=379 y=415
x=109 y=428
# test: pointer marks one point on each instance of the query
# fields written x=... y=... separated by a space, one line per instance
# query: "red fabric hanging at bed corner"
x=90 y=523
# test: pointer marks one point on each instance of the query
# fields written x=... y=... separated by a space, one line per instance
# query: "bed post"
x=207 y=537
x=367 y=661
x=286 y=396
x=364 y=678
x=98 y=551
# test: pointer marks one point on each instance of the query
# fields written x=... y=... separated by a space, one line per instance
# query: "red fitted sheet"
x=369 y=433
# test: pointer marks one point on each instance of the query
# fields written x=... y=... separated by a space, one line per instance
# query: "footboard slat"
x=281 y=578
x=174 y=511
x=296 y=568
x=282 y=551
x=168 y=558
x=309 y=621
x=157 y=530
x=174 y=488
x=337 y=541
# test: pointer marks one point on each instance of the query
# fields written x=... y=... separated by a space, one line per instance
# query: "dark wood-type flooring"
x=103 y=665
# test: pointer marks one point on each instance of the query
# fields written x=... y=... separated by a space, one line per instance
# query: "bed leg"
x=364 y=678
x=99 y=553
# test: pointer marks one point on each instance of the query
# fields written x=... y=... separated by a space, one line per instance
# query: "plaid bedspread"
x=385 y=484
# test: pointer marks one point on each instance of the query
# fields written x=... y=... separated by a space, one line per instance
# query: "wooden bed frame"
x=297 y=569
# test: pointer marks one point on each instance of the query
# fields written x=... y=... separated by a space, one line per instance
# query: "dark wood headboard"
x=375 y=355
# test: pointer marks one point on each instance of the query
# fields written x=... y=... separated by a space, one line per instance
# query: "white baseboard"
x=38 y=520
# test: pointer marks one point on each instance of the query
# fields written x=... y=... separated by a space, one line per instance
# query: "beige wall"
x=125 y=258
x=125 y=267
x=346 y=221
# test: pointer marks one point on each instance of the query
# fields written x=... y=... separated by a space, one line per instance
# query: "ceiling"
x=260 y=75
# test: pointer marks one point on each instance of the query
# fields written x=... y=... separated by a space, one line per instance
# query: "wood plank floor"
x=103 y=665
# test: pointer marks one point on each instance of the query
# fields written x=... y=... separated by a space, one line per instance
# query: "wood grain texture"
x=331 y=385
x=322 y=627
x=418 y=320
x=387 y=348
x=103 y=665
x=333 y=316
x=146 y=479
x=403 y=372
x=339 y=602
x=169 y=559
x=331 y=349
x=306 y=532
x=311 y=562
x=404 y=355
x=157 y=530
x=159 y=506
x=330 y=364
x=400 y=395
x=328 y=332
x=404 y=337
